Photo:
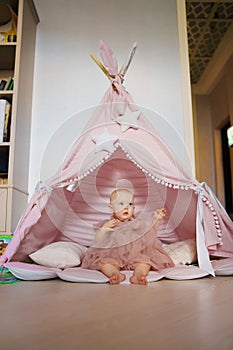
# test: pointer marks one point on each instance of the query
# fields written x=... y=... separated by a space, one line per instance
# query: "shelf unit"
x=17 y=60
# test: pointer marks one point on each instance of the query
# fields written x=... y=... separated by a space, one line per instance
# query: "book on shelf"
x=7 y=83
x=10 y=85
x=5 y=119
x=4 y=161
x=7 y=124
x=3 y=84
x=3 y=179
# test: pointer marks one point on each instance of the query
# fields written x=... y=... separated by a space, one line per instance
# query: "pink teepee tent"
x=120 y=148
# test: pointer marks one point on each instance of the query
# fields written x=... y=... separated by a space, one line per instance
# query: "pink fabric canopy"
x=119 y=148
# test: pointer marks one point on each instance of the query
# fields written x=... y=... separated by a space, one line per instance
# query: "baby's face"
x=122 y=204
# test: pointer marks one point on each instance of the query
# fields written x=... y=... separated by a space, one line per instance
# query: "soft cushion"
x=184 y=272
x=223 y=267
x=183 y=252
x=31 y=272
x=77 y=274
x=181 y=272
x=60 y=255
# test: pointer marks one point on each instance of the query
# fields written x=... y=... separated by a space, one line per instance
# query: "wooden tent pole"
x=106 y=72
x=101 y=66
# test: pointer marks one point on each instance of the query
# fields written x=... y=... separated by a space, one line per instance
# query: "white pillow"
x=60 y=255
x=31 y=272
x=183 y=252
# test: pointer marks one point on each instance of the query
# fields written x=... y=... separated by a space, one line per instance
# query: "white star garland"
x=128 y=120
x=105 y=141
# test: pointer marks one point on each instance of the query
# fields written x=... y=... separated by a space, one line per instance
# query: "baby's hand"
x=159 y=213
x=110 y=224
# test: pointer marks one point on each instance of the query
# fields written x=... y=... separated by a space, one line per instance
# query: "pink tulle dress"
x=128 y=244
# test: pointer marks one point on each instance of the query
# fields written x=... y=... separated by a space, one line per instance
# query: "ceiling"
x=207 y=23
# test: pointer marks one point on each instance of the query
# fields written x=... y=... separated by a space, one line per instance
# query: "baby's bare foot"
x=116 y=278
x=138 y=278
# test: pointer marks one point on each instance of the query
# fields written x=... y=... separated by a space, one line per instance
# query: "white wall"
x=68 y=81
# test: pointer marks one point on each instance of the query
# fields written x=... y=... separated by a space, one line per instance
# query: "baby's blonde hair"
x=116 y=192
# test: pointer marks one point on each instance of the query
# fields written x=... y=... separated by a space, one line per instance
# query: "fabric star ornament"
x=128 y=120
x=105 y=141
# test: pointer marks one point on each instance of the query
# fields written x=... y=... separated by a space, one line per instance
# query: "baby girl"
x=126 y=242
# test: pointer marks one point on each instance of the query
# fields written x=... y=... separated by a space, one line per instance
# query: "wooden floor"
x=194 y=314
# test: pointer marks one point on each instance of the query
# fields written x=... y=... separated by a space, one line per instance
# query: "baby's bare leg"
x=112 y=272
x=140 y=272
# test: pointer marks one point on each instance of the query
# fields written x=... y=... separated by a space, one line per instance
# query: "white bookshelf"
x=17 y=59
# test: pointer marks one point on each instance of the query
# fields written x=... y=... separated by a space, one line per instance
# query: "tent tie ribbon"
x=202 y=251
x=40 y=185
